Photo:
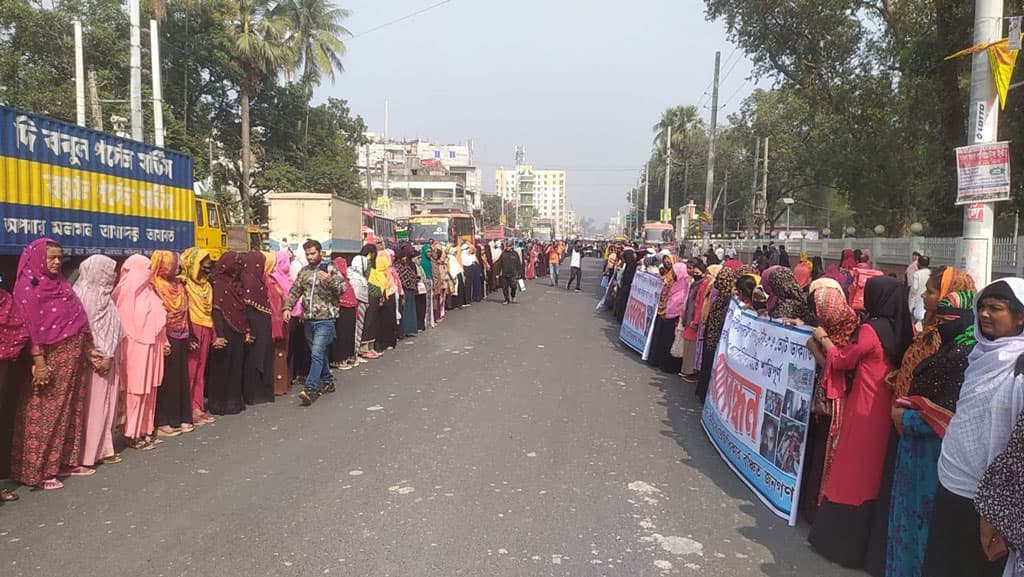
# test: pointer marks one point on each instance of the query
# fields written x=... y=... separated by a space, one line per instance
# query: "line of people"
x=131 y=355
x=916 y=440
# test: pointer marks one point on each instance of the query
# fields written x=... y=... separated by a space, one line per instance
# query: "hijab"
x=834 y=314
x=885 y=301
x=825 y=282
x=46 y=301
x=197 y=286
x=140 y=309
x=275 y=296
x=168 y=287
x=428 y=268
x=348 y=297
x=379 y=275
x=357 y=278
x=929 y=341
x=954 y=328
x=254 y=288
x=817 y=268
x=13 y=330
x=835 y=274
x=97 y=276
x=282 y=268
x=847 y=261
x=679 y=292
x=227 y=292
x=725 y=285
x=790 y=301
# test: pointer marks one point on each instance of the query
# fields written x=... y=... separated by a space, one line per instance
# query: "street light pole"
x=982 y=126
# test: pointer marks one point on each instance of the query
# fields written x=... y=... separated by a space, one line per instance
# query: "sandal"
x=168 y=432
x=187 y=427
x=112 y=460
x=51 y=485
x=141 y=445
x=6 y=496
x=80 y=472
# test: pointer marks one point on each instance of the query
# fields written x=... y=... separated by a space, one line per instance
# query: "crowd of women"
x=915 y=462
x=154 y=347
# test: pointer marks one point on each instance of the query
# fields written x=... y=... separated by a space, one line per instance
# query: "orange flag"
x=1000 y=59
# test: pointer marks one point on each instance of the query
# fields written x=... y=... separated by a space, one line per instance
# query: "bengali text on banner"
x=641 y=308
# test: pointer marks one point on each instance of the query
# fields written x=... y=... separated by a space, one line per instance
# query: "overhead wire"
x=397 y=20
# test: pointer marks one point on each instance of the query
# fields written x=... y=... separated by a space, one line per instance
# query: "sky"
x=579 y=83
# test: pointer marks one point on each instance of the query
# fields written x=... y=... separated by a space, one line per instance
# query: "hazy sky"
x=578 y=82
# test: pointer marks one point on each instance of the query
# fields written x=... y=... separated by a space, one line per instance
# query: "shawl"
x=999 y=498
x=802 y=274
x=171 y=291
x=428 y=269
x=394 y=283
x=825 y=282
x=348 y=298
x=13 y=331
x=772 y=299
x=725 y=284
x=709 y=287
x=227 y=292
x=254 y=287
x=847 y=262
x=817 y=268
x=380 y=277
x=282 y=270
x=885 y=301
x=927 y=343
x=141 y=310
x=407 y=275
x=357 y=279
x=276 y=296
x=97 y=276
x=668 y=280
x=790 y=301
x=197 y=286
x=46 y=301
x=834 y=274
x=680 y=291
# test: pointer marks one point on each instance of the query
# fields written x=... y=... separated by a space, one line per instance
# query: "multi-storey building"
x=536 y=193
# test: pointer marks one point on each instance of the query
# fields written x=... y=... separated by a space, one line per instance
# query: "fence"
x=896 y=252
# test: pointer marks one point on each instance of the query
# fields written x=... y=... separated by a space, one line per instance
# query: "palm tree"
x=682 y=119
x=258 y=39
x=316 y=33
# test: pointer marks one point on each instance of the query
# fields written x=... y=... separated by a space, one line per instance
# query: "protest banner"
x=983 y=173
x=759 y=404
x=638 y=323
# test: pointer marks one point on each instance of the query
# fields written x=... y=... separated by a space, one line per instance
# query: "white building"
x=538 y=193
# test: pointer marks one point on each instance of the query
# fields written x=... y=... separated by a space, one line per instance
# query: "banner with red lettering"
x=759 y=404
x=638 y=323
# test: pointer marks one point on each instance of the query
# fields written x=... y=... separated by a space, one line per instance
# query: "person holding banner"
x=860 y=430
x=628 y=271
x=722 y=295
x=665 y=331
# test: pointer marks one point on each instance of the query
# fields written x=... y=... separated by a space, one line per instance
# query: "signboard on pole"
x=983 y=173
x=641 y=308
x=759 y=404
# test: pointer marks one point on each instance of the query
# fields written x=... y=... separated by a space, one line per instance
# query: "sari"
x=200 y=314
x=174 y=398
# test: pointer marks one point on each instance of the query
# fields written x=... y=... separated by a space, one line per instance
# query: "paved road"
x=515 y=440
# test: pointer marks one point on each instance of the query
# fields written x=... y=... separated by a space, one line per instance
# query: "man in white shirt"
x=917 y=289
x=575 y=262
x=720 y=253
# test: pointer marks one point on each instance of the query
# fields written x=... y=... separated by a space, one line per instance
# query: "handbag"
x=604 y=282
x=522 y=285
x=421 y=288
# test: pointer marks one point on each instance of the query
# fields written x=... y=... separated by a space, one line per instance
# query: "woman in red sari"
x=49 y=424
x=531 y=263
x=861 y=420
x=13 y=336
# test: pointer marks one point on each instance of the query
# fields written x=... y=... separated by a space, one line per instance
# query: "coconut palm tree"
x=260 y=48
x=683 y=120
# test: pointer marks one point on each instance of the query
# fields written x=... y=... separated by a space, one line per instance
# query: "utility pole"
x=158 y=90
x=647 y=187
x=725 y=204
x=668 y=169
x=764 y=190
x=982 y=126
x=753 y=187
x=79 y=75
x=135 y=61
x=387 y=127
x=94 y=101
x=709 y=189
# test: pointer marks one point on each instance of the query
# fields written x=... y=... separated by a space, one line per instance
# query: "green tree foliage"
x=233 y=71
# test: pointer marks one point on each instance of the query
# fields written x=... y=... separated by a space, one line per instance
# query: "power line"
x=735 y=92
x=399 y=19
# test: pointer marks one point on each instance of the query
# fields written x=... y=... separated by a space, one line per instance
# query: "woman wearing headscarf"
x=834 y=273
x=224 y=380
x=817 y=268
x=927 y=387
x=802 y=272
x=689 y=322
x=143 y=349
x=786 y=299
x=848 y=260
x=457 y=292
x=366 y=311
x=990 y=403
x=427 y=266
x=674 y=306
x=279 y=284
x=441 y=279
x=174 y=399
x=387 y=320
x=707 y=299
x=258 y=366
x=861 y=419
x=195 y=269
x=625 y=284
x=13 y=336
x=725 y=286
x=410 y=280
x=1000 y=501
x=661 y=342
x=299 y=355
x=344 y=349
x=49 y=419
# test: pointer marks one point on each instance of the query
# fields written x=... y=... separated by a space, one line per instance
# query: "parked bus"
x=380 y=228
x=443 y=226
x=657 y=233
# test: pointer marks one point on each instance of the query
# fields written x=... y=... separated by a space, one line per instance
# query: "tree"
x=258 y=40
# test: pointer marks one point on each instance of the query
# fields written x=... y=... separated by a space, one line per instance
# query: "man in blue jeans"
x=318 y=287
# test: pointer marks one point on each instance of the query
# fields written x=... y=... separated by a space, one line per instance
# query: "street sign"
x=503 y=220
x=983 y=173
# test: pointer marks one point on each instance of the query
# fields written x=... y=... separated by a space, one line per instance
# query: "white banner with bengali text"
x=641 y=308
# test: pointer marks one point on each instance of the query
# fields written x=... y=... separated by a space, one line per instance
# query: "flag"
x=1001 y=60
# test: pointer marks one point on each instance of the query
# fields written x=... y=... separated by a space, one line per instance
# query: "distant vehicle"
x=379 y=228
x=444 y=226
x=245 y=237
x=657 y=233
x=499 y=232
x=334 y=222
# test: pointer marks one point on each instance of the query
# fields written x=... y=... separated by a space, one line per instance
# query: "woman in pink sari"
x=143 y=349
x=276 y=273
x=96 y=278
x=531 y=263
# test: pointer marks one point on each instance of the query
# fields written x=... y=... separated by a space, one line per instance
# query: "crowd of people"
x=127 y=354
x=915 y=463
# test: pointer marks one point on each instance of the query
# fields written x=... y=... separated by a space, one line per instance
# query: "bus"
x=379 y=228
x=657 y=233
x=448 y=227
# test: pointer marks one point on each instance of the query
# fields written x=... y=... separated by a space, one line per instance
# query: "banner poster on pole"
x=641 y=308
x=983 y=173
x=759 y=404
